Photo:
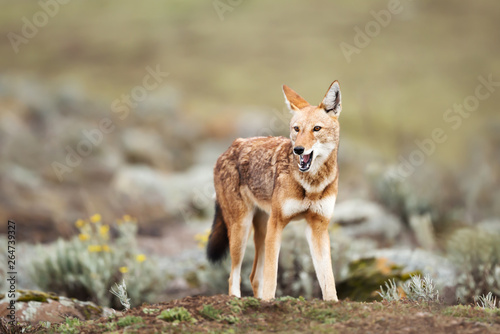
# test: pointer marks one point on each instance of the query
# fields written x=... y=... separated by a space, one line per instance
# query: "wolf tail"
x=218 y=242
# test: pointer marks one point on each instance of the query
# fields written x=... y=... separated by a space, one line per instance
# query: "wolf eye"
x=317 y=128
x=296 y=128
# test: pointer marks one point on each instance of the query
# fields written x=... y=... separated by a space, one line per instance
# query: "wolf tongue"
x=305 y=158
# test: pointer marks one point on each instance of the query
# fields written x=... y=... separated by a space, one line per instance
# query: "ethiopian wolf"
x=265 y=182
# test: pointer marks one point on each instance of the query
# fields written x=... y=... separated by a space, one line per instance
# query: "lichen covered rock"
x=35 y=306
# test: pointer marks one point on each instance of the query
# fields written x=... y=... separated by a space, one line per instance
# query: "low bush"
x=476 y=254
x=88 y=265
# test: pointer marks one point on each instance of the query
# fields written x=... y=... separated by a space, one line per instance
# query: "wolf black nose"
x=298 y=150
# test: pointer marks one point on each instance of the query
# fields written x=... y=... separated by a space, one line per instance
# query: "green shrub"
x=416 y=289
x=70 y=326
x=231 y=319
x=391 y=291
x=150 y=310
x=421 y=289
x=129 y=320
x=250 y=302
x=487 y=301
x=326 y=316
x=87 y=266
x=210 y=313
x=176 y=314
x=120 y=291
x=476 y=254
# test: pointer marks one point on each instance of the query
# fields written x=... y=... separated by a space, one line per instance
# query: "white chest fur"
x=323 y=206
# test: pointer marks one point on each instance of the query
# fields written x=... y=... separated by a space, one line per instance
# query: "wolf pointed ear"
x=293 y=100
x=332 y=102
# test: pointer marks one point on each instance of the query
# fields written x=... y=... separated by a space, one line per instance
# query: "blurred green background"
x=228 y=59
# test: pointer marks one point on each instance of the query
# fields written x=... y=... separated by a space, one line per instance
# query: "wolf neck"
x=315 y=181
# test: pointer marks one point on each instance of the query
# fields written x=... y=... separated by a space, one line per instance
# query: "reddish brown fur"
x=258 y=184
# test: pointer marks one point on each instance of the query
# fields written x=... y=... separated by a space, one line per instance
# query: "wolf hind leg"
x=238 y=236
x=256 y=277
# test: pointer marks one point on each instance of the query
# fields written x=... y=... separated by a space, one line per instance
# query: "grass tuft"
x=129 y=320
x=487 y=301
x=176 y=315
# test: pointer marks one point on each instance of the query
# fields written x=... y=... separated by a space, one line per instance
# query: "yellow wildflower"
x=83 y=236
x=128 y=218
x=105 y=248
x=96 y=218
x=202 y=238
x=94 y=248
x=123 y=270
x=103 y=230
x=80 y=223
x=140 y=258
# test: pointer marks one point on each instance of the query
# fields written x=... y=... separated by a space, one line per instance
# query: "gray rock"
x=36 y=306
x=361 y=218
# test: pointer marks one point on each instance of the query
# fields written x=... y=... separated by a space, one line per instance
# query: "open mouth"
x=305 y=161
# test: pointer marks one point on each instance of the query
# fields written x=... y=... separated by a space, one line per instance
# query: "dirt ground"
x=224 y=314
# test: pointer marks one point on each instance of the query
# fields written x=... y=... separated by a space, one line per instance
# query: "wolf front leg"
x=272 y=249
x=319 y=243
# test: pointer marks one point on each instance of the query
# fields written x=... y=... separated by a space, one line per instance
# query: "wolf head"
x=314 y=130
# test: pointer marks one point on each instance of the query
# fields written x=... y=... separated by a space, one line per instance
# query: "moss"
x=326 y=316
x=35 y=296
x=251 y=302
x=367 y=275
x=210 y=313
x=70 y=326
x=176 y=314
x=110 y=326
x=472 y=313
x=129 y=320
x=90 y=311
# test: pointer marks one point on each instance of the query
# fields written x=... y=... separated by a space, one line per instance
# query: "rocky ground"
x=224 y=314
